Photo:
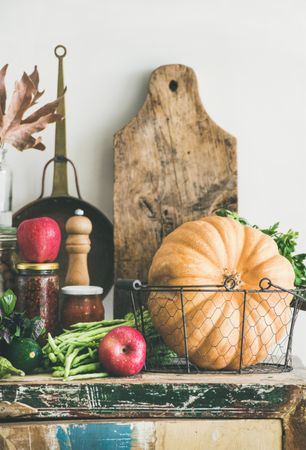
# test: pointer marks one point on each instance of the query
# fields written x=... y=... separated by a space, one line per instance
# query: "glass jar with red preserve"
x=81 y=304
x=38 y=292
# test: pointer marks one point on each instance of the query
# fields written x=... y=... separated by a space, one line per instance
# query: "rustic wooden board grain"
x=172 y=164
x=145 y=435
x=163 y=396
x=151 y=396
x=150 y=400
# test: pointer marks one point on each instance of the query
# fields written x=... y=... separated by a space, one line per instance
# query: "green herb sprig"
x=16 y=324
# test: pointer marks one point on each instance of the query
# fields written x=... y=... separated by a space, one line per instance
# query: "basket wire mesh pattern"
x=217 y=329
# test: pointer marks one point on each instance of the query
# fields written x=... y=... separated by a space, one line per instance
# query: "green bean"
x=55 y=368
x=58 y=373
x=85 y=361
x=63 y=346
x=70 y=349
x=83 y=357
x=81 y=369
x=102 y=322
x=52 y=357
x=46 y=349
x=85 y=368
x=86 y=376
x=86 y=334
x=69 y=360
x=55 y=348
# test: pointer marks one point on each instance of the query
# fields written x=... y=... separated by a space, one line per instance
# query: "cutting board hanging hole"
x=173 y=85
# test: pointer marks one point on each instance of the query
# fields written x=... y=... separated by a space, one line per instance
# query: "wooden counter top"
x=295 y=377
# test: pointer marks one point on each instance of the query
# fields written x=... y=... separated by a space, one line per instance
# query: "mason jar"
x=81 y=304
x=38 y=292
x=8 y=259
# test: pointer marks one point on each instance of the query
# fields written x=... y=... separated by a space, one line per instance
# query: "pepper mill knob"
x=78 y=228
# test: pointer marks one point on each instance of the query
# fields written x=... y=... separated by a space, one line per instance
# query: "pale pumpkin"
x=205 y=252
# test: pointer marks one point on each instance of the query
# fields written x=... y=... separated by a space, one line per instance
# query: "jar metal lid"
x=37 y=266
x=82 y=290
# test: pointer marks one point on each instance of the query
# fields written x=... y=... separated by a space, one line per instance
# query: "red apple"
x=123 y=351
x=39 y=239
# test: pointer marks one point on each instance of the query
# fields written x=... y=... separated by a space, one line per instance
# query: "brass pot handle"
x=60 y=183
x=59 y=159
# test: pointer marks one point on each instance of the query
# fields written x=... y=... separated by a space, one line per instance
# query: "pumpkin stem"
x=231 y=280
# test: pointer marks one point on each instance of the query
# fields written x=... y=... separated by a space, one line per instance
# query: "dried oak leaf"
x=14 y=129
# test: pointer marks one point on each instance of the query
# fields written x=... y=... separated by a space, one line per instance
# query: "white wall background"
x=250 y=60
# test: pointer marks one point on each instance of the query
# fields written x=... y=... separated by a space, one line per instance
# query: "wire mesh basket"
x=216 y=329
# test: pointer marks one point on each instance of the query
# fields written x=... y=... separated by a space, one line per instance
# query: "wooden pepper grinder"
x=78 y=246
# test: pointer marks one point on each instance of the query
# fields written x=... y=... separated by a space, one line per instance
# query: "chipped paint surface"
x=106 y=436
x=144 y=435
x=149 y=400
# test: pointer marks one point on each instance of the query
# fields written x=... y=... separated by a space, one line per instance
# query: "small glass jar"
x=81 y=304
x=6 y=182
x=7 y=259
x=38 y=292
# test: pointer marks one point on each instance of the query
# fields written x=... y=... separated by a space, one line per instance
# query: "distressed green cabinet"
x=155 y=411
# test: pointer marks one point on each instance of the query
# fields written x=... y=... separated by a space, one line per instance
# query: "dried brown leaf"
x=21 y=101
x=20 y=135
x=13 y=128
x=44 y=110
x=34 y=76
x=2 y=91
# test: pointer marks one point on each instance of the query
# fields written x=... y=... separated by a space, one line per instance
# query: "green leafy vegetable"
x=8 y=302
x=286 y=243
x=16 y=324
x=6 y=368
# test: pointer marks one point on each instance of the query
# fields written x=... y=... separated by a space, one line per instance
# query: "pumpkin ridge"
x=235 y=363
x=254 y=268
x=204 y=337
x=187 y=269
x=196 y=235
x=277 y=271
x=235 y=230
x=231 y=267
x=256 y=248
x=180 y=247
x=241 y=258
x=259 y=322
x=210 y=297
x=204 y=224
x=214 y=221
x=224 y=342
x=184 y=246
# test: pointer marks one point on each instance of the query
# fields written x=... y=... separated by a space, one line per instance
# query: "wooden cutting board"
x=172 y=164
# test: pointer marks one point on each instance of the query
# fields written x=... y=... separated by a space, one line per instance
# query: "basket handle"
x=265 y=284
x=129 y=284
